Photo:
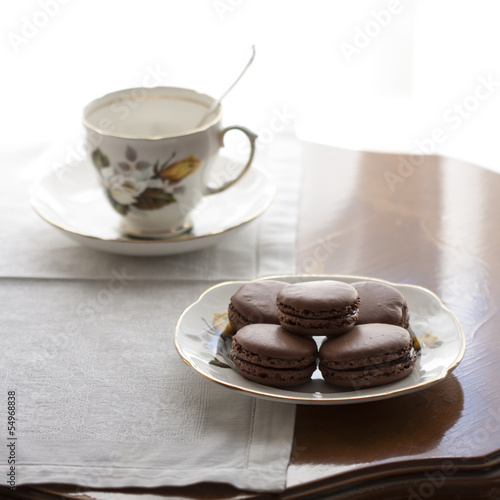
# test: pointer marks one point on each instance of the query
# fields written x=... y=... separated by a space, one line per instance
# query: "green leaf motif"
x=153 y=199
x=142 y=165
x=218 y=363
x=99 y=159
x=436 y=344
x=130 y=154
x=155 y=168
x=121 y=209
x=161 y=195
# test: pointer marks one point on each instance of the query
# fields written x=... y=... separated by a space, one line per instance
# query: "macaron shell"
x=318 y=307
x=274 y=341
x=381 y=303
x=367 y=356
x=368 y=377
x=310 y=327
x=364 y=345
x=236 y=320
x=270 y=355
x=239 y=352
x=327 y=296
x=255 y=302
x=274 y=377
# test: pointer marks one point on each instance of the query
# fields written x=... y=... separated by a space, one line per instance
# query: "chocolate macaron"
x=255 y=302
x=381 y=303
x=369 y=355
x=270 y=355
x=318 y=307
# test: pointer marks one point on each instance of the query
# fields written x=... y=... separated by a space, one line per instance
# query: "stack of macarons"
x=363 y=324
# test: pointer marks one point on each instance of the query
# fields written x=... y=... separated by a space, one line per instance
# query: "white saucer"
x=73 y=201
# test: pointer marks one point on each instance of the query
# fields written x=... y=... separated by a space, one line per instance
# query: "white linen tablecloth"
x=102 y=397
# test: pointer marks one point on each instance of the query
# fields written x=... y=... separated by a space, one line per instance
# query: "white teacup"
x=153 y=158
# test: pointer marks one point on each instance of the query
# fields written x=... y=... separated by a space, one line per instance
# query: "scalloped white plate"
x=199 y=341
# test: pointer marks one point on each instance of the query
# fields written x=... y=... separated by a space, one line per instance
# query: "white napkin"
x=102 y=398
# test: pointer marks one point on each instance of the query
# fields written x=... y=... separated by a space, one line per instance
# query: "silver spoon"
x=216 y=103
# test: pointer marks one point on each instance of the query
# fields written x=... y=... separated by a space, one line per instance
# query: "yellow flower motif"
x=228 y=331
x=178 y=171
x=219 y=320
x=427 y=339
x=221 y=323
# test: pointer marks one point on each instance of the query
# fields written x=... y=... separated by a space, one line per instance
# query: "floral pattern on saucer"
x=139 y=184
x=426 y=339
x=217 y=337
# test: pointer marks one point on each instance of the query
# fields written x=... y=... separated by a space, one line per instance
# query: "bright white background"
x=406 y=77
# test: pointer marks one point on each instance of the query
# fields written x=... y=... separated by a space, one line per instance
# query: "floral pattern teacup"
x=153 y=158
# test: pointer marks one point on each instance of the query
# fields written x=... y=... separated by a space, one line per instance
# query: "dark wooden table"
x=429 y=221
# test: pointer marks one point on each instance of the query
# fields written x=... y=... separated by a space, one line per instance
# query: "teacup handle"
x=252 y=138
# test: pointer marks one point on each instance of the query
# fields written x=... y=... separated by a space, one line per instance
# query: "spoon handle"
x=216 y=103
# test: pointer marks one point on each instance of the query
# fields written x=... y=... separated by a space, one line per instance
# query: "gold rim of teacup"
x=89 y=109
